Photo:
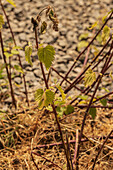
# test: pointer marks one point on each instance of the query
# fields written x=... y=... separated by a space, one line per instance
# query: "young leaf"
x=60 y=110
x=43 y=27
x=103 y=102
x=28 y=52
x=18 y=68
x=99 y=38
x=13 y=51
x=62 y=92
x=83 y=36
x=93 y=26
x=105 y=34
x=82 y=44
x=92 y=112
x=46 y=55
x=8 y=54
x=69 y=109
x=1 y=21
x=11 y=2
x=83 y=97
x=17 y=47
x=89 y=77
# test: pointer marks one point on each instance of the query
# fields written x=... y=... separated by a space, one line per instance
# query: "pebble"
x=18 y=80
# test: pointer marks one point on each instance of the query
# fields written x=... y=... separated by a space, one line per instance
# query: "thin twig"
x=23 y=75
x=46 y=159
x=84 y=119
x=101 y=149
x=86 y=48
x=8 y=74
x=76 y=147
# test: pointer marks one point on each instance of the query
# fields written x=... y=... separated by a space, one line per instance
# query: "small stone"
x=18 y=80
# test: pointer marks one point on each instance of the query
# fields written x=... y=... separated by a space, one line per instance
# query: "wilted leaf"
x=18 y=68
x=1 y=21
x=103 y=102
x=69 y=109
x=105 y=34
x=11 y=2
x=43 y=27
x=93 y=26
x=46 y=55
x=92 y=112
x=89 y=77
x=28 y=52
x=82 y=44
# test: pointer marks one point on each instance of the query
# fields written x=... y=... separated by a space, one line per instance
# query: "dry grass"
x=22 y=131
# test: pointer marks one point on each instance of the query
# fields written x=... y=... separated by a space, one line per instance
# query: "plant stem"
x=8 y=74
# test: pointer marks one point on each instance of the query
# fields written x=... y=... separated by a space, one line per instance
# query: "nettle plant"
x=54 y=98
x=47 y=97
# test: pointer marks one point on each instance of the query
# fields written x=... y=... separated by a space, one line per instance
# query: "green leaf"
x=99 y=38
x=44 y=98
x=46 y=55
x=93 y=26
x=83 y=36
x=8 y=54
x=103 y=102
x=43 y=27
x=11 y=2
x=39 y=94
x=49 y=97
x=83 y=97
x=1 y=21
x=105 y=34
x=49 y=108
x=92 y=112
x=19 y=69
x=89 y=77
x=104 y=18
x=69 y=109
x=105 y=89
x=28 y=52
x=82 y=44
x=60 y=110
x=13 y=51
